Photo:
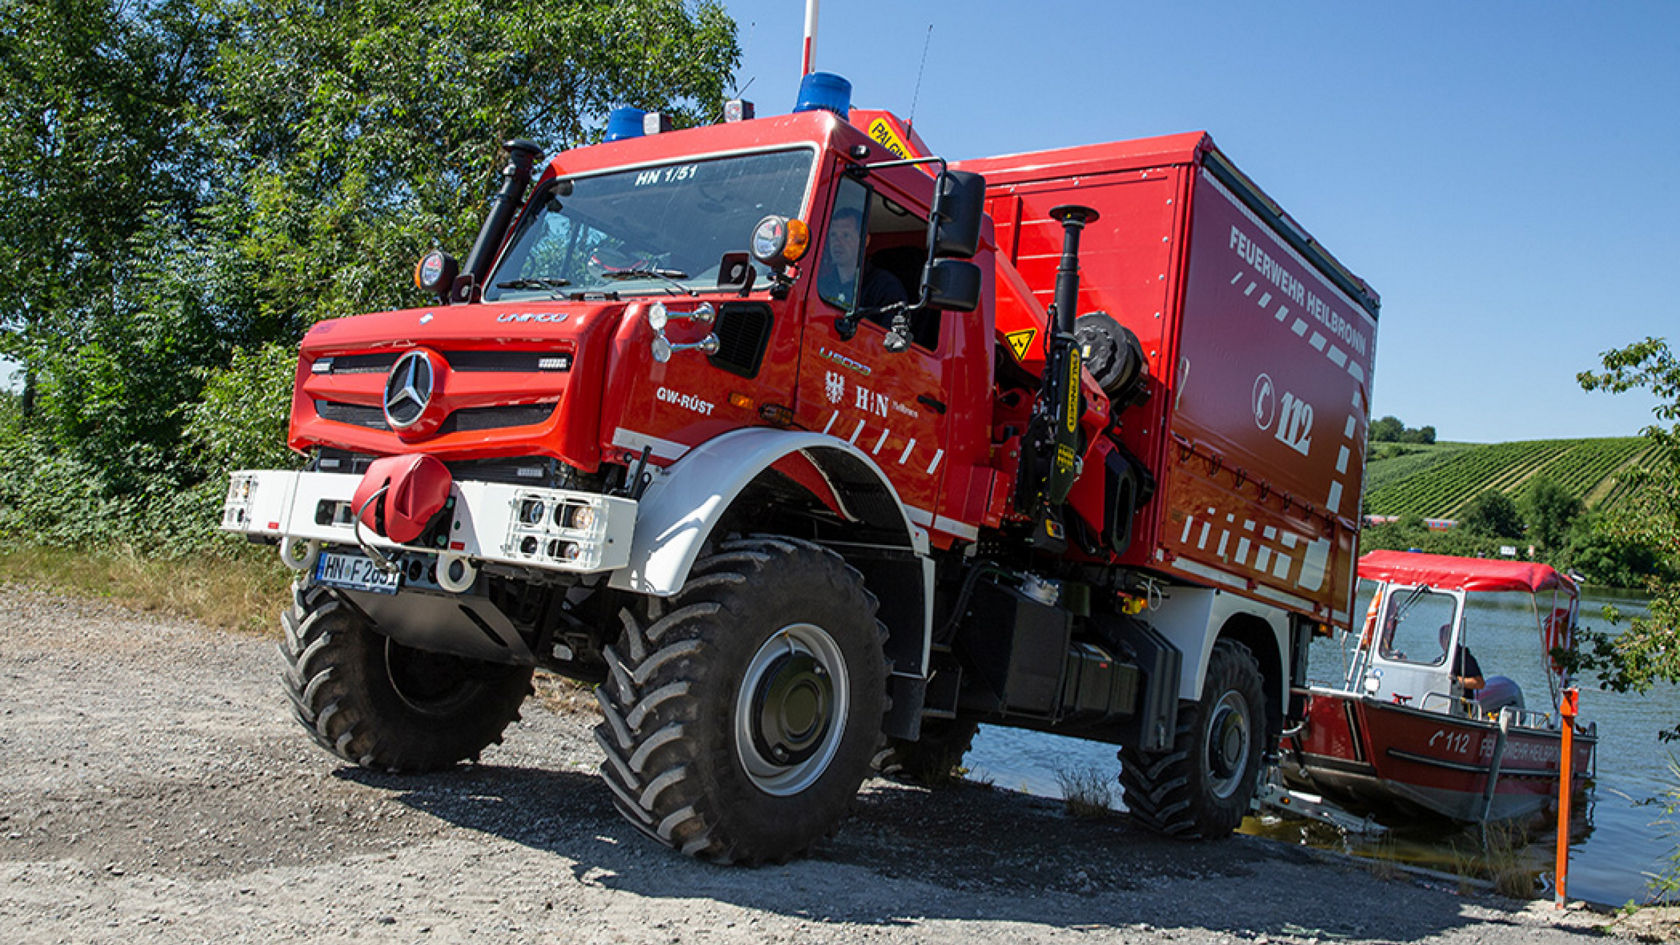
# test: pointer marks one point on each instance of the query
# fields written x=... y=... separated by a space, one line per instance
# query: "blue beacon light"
x=825 y=91
x=624 y=122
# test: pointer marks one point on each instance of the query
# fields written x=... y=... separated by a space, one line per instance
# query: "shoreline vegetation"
x=237 y=589
x=243 y=591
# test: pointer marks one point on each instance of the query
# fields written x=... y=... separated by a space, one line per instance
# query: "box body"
x=1259 y=346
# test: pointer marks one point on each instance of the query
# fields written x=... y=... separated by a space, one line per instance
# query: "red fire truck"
x=814 y=452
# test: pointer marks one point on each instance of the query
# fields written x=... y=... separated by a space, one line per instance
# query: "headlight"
x=777 y=241
x=657 y=316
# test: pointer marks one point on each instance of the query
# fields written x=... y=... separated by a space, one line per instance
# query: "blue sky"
x=1502 y=173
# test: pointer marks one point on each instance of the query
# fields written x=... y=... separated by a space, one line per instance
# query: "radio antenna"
x=915 y=95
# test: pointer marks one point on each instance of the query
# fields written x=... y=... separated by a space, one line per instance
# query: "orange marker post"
x=1569 y=707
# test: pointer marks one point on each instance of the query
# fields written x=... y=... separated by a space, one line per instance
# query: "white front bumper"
x=523 y=525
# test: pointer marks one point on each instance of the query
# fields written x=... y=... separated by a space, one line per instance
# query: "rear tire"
x=379 y=704
x=935 y=759
x=740 y=717
x=1202 y=787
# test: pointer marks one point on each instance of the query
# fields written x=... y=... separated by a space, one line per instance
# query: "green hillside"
x=1437 y=480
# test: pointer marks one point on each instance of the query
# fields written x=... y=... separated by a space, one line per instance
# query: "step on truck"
x=811 y=452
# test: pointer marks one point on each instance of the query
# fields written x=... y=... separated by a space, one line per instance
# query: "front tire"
x=379 y=704
x=740 y=717
x=1202 y=787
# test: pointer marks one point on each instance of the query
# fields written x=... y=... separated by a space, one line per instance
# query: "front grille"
x=377 y=363
x=523 y=362
x=492 y=418
x=373 y=418
x=742 y=329
x=529 y=362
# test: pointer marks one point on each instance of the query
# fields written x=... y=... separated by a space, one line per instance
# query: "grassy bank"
x=243 y=592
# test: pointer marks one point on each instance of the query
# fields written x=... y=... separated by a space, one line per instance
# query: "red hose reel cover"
x=416 y=487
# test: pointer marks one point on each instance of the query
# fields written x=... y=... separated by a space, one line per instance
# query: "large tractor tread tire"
x=383 y=706
x=672 y=728
x=1195 y=791
x=935 y=759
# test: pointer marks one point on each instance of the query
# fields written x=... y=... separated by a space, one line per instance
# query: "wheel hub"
x=1227 y=744
x=434 y=684
x=792 y=709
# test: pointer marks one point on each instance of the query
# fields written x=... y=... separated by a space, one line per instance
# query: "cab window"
x=1417 y=627
x=872 y=256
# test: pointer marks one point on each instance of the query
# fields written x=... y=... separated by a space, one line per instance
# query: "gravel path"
x=153 y=788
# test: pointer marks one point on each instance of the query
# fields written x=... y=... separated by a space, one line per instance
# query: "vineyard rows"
x=1441 y=481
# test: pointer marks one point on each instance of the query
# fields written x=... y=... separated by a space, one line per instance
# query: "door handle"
x=930 y=402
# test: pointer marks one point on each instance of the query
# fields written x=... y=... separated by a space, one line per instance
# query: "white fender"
x=683 y=505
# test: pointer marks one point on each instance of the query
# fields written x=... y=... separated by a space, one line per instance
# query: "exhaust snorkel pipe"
x=1058 y=421
x=515 y=177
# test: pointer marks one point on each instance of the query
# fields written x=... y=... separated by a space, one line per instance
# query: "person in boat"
x=1466 y=672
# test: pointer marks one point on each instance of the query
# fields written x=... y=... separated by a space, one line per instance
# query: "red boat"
x=1403 y=738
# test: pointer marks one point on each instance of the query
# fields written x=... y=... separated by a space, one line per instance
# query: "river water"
x=1616 y=843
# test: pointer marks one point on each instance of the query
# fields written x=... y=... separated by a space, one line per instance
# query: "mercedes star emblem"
x=408 y=390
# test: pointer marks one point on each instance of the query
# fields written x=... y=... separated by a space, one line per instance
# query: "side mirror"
x=957 y=208
x=735 y=272
x=952 y=285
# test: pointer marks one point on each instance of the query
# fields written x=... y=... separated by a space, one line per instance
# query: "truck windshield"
x=652 y=229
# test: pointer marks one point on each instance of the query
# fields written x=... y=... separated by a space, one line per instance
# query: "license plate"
x=354 y=572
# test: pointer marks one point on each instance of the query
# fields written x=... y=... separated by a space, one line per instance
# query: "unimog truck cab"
x=811 y=453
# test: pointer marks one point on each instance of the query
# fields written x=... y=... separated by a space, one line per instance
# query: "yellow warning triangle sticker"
x=1021 y=342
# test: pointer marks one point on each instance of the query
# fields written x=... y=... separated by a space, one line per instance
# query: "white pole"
x=810 y=37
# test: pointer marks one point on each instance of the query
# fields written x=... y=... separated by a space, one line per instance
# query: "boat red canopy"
x=1467 y=574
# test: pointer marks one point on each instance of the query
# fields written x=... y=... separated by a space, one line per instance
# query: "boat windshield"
x=1418 y=626
x=659 y=229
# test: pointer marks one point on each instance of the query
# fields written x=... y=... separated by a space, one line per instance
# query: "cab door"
x=893 y=405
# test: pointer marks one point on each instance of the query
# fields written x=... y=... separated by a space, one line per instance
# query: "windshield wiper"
x=549 y=283
x=669 y=275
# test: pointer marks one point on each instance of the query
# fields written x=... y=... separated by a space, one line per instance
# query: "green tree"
x=1491 y=514
x=1604 y=552
x=1647 y=650
x=1387 y=430
x=181 y=180
x=1549 y=510
x=94 y=147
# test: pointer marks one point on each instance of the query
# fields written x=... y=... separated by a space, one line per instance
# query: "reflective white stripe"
x=1212 y=574
x=856 y=433
x=1337 y=355
x=880 y=443
x=635 y=442
x=1282 y=597
x=1342 y=460
x=1335 y=502
x=1347 y=429
x=1318 y=341
x=954 y=527
x=907 y=448
x=919 y=516
x=936 y=458
x=831 y=418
